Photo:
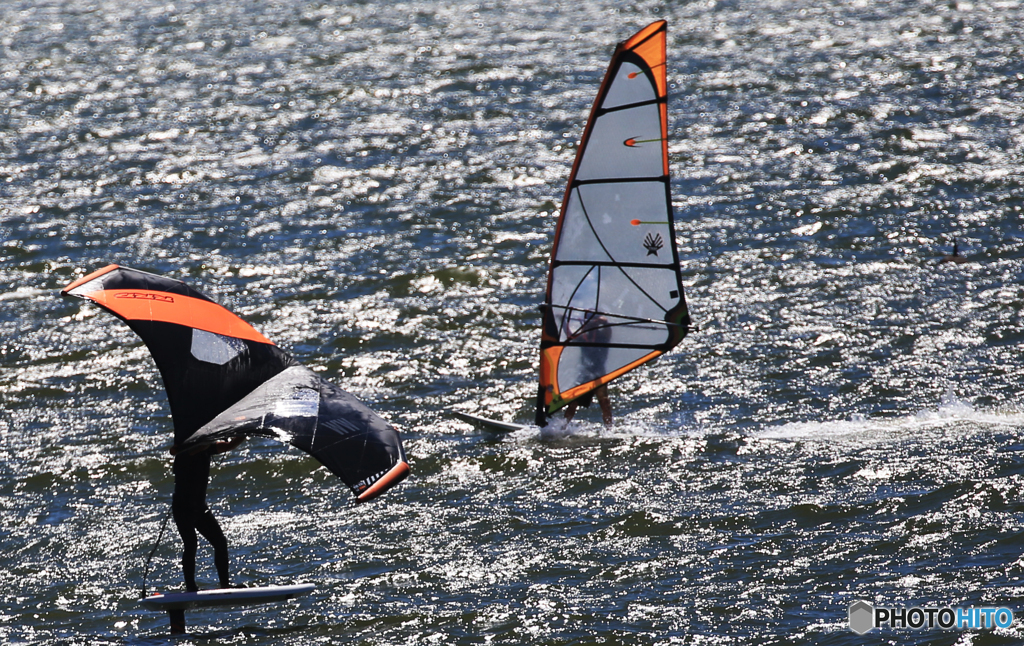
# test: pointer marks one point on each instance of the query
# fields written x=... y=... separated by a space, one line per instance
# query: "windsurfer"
x=594 y=330
x=191 y=513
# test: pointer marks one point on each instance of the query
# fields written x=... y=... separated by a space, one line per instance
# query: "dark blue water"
x=373 y=186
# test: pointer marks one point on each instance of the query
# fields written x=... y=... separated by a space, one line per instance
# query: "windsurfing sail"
x=614 y=297
x=212 y=361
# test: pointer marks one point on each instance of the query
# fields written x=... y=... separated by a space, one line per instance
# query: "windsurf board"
x=489 y=424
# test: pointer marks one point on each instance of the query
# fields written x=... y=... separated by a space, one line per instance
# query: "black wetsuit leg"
x=191 y=515
x=208 y=526
x=185 y=522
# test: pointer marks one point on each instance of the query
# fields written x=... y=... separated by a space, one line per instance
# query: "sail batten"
x=619 y=180
x=595 y=263
x=610 y=306
x=629 y=106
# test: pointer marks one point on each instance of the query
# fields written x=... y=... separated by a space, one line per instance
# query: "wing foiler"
x=614 y=297
x=223 y=378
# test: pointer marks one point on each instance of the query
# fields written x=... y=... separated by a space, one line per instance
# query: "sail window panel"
x=632 y=291
x=598 y=224
x=583 y=299
x=650 y=290
x=303 y=402
x=630 y=85
x=573 y=286
x=585 y=327
x=91 y=287
x=623 y=144
x=636 y=292
x=580 y=365
x=578 y=239
x=215 y=348
x=610 y=291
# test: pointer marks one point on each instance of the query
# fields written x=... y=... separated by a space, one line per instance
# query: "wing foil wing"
x=614 y=296
x=298 y=407
x=208 y=357
x=223 y=378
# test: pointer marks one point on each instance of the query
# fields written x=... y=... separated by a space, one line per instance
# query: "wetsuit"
x=191 y=515
x=592 y=366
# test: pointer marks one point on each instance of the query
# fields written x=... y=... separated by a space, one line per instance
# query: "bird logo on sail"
x=652 y=243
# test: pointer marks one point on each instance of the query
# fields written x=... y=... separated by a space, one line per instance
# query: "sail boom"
x=629 y=319
x=620 y=346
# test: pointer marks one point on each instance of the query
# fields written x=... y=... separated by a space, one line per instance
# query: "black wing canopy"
x=223 y=378
x=298 y=407
x=208 y=357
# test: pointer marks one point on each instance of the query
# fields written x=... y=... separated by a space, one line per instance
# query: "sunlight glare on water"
x=374 y=186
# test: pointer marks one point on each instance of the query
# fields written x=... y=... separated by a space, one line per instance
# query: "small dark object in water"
x=954 y=257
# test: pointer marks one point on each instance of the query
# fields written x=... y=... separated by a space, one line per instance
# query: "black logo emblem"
x=652 y=243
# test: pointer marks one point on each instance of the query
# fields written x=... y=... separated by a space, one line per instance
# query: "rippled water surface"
x=373 y=185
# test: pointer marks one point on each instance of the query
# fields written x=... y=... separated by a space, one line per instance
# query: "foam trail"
x=951 y=410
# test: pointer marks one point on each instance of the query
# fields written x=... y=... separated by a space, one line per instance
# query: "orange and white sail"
x=614 y=296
